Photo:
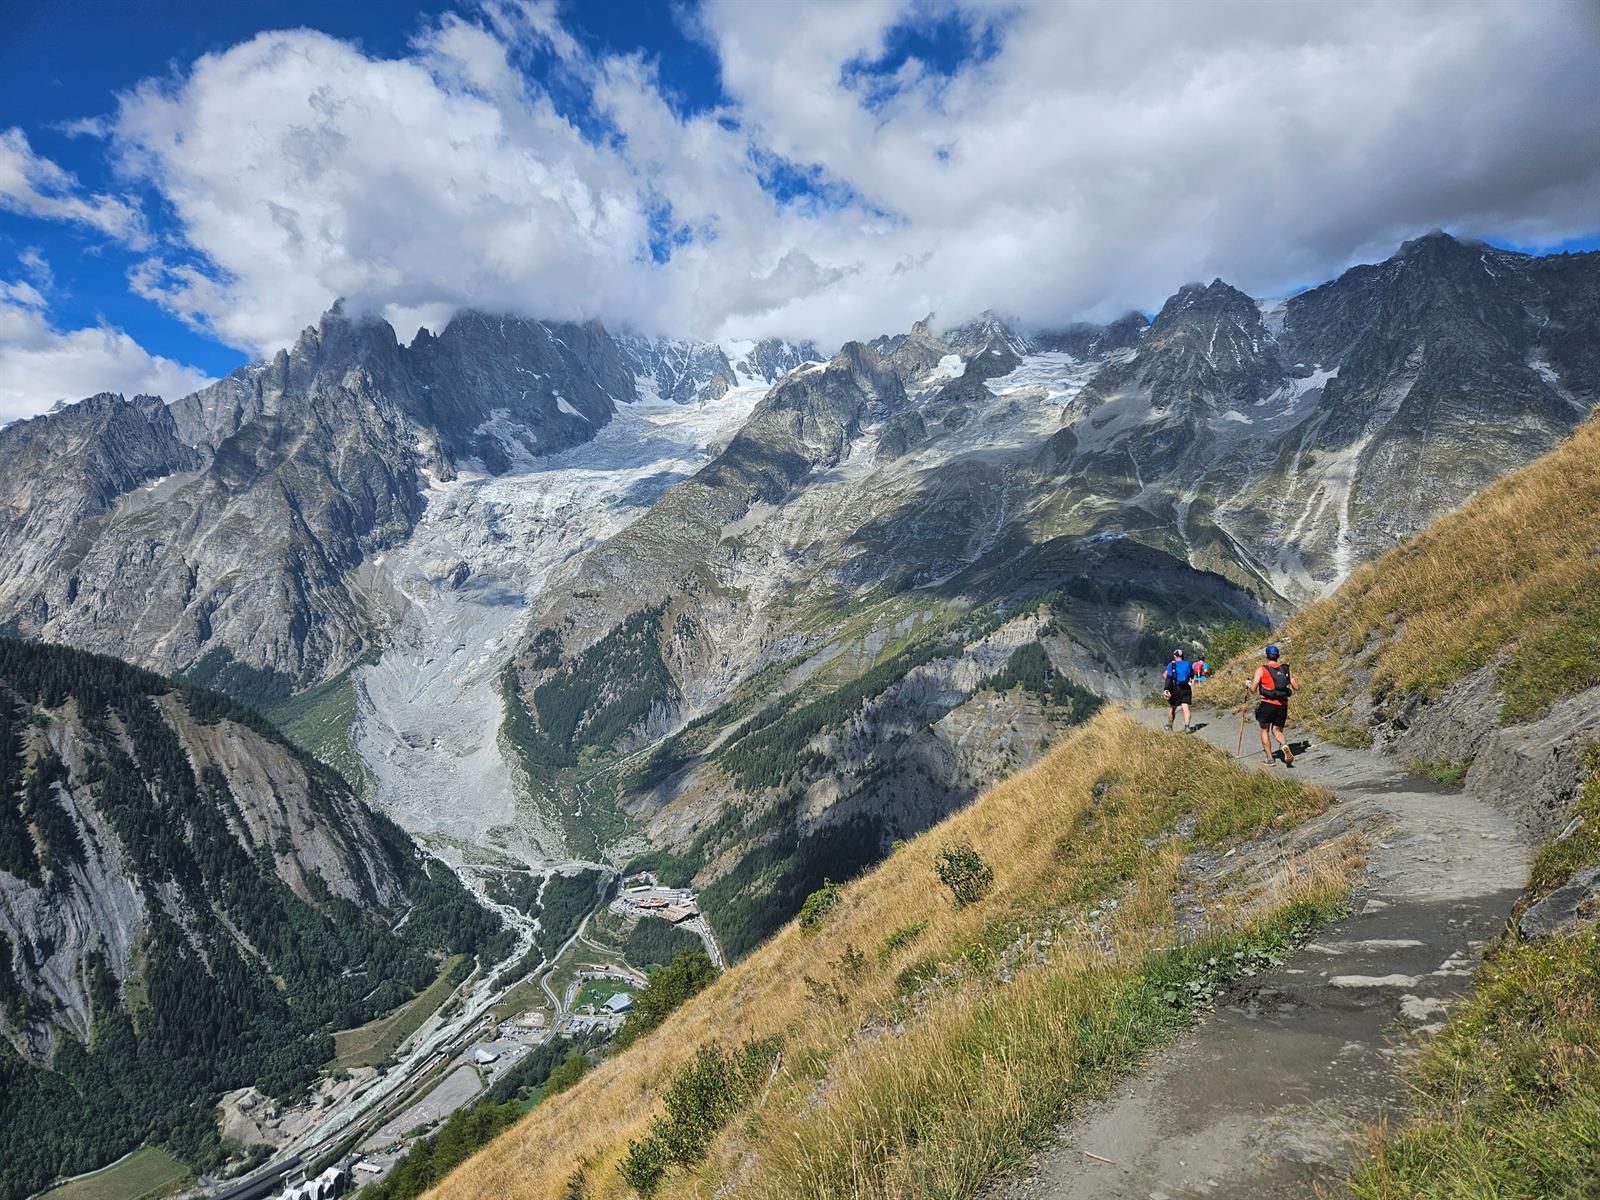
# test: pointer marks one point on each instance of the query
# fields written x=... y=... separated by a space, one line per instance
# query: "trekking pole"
x=1244 y=709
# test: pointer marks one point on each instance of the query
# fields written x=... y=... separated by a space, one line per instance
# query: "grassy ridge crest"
x=1508 y=582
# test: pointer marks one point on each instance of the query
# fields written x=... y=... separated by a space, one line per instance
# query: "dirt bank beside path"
x=1266 y=1094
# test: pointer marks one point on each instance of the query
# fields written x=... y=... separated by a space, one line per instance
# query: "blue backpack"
x=1179 y=671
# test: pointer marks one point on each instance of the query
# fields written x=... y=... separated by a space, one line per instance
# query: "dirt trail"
x=1264 y=1096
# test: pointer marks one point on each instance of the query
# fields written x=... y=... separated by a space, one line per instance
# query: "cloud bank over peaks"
x=859 y=166
x=1080 y=160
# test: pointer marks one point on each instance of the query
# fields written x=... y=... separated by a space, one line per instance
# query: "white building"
x=620 y=1002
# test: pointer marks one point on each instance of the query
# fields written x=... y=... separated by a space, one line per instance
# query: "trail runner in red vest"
x=1273 y=684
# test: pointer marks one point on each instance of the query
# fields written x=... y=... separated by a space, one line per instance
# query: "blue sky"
x=184 y=185
x=66 y=61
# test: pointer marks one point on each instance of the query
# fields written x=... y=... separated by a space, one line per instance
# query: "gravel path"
x=1266 y=1095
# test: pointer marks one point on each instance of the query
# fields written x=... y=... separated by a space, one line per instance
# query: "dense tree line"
x=206 y=1016
x=767 y=886
x=1029 y=667
x=563 y=904
x=218 y=671
x=596 y=698
x=16 y=843
x=652 y=943
x=770 y=748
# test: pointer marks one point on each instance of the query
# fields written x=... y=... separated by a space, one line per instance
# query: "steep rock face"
x=61 y=472
x=1285 y=442
x=770 y=359
x=252 y=560
x=678 y=371
x=501 y=390
x=915 y=355
x=186 y=904
x=1444 y=377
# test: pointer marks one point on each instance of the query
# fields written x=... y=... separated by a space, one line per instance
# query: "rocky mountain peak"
x=1208 y=345
x=1085 y=339
x=1435 y=241
x=988 y=329
x=1197 y=306
x=870 y=373
x=770 y=358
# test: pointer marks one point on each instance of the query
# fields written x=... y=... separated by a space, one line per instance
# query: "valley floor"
x=1274 y=1091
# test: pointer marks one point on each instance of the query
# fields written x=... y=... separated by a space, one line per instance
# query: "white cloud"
x=1102 y=155
x=37 y=187
x=40 y=364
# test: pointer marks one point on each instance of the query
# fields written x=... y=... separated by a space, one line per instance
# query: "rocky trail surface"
x=1269 y=1094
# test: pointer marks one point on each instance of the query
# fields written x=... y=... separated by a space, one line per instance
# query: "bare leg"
x=1288 y=755
x=1186 y=716
x=1172 y=713
x=1266 y=744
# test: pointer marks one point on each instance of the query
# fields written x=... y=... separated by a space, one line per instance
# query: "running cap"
x=1177 y=654
x=1272 y=652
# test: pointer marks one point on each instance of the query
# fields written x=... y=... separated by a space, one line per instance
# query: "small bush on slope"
x=689 y=973
x=962 y=869
x=1511 y=581
x=1025 y=958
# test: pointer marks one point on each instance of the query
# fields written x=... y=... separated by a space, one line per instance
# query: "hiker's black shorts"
x=1271 y=714
x=1180 y=693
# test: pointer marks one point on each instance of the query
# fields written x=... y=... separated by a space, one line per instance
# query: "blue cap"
x=1272 y=652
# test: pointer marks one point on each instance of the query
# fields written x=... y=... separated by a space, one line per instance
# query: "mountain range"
x=748 y=612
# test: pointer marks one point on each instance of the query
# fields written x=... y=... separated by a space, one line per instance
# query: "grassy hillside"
x=1510 y=582
x=917 y=1031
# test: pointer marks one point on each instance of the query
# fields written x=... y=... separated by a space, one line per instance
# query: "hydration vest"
x=1280 y=691
x=1179 y=671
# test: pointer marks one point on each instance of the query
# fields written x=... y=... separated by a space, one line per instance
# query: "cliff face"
x=187 y=904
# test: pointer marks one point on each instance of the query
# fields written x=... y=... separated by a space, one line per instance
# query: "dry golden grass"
x=1511 y=581
x=928 y=1089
